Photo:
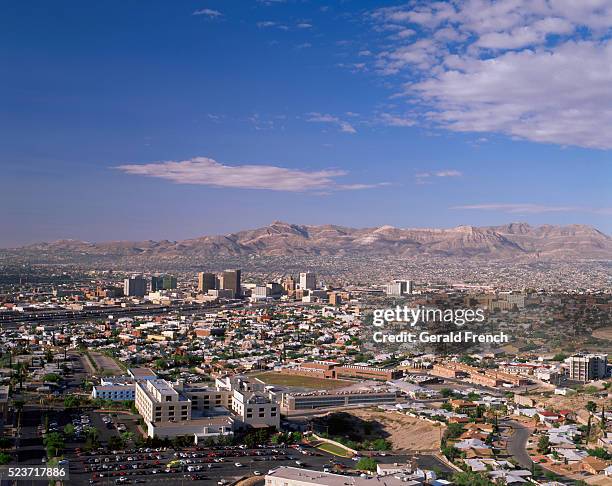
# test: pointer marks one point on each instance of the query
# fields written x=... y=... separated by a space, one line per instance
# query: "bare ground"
x=405 y=433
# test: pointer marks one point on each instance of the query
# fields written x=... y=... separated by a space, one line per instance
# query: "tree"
x=115 y=443
x=366 y=464
x=454 y=430
x=468 y=478
x=69 y=430
x=591 y=406
x=450 y=452
x=381 y=445
x=5 y=458
x=543 y=444
x=72 y=401
x=54 y=443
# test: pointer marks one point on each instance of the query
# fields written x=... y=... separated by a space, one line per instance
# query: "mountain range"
x=285 y=239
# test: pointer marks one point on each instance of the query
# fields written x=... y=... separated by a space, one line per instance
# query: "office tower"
x=163 y=282
x=157 y=283
x=135 y=286
x=397 y=288
x=206 y=281
x=289 y=285
x=230 y=280
x=335 y=298
x=169 y=282
x=275 y=289
x=586 y=367
x=308 y=281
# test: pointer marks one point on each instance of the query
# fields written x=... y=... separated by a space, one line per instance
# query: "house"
x=594 y=465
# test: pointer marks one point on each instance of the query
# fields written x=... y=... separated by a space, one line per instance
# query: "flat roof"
x=329 y=479
x=141 y=372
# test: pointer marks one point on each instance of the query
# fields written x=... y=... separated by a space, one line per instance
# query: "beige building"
x=157 y=401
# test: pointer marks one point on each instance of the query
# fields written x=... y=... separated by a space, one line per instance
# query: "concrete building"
x=206 y=281
x=293 y=476
x=230 y=280
x=115 y=393
x=135 y=286
x=587 y=367
x=142 y=373
x=157 y=401
x=399 y=288
x=171 y=409
x=163 y=282
x=306 y=401
x=308 y=281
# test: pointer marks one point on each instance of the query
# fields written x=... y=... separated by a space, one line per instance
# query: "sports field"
x=281 y=379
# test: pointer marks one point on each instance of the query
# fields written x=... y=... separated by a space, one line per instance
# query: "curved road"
x=517 y=443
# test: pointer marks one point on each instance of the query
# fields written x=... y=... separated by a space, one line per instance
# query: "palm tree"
x=18 y=404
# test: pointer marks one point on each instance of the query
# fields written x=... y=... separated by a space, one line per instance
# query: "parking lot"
x=203 y=465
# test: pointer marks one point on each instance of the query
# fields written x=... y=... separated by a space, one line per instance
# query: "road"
x=517 y=443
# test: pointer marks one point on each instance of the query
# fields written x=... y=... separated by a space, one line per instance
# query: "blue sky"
x=151 y=120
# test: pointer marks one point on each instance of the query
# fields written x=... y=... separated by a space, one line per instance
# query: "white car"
x=237 y=464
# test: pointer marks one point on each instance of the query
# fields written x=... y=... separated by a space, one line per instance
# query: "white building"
x=116 y=392
x=398 y=288
x=308 y=281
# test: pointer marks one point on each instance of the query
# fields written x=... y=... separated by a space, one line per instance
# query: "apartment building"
x=586 y=367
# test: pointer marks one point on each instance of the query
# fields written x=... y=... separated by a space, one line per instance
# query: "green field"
x=274 y=378
x=334 y=449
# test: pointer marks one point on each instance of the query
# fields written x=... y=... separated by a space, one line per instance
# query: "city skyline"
x=177 y=121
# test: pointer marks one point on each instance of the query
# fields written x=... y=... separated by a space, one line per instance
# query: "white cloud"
x=533 y=208
x=304 y=45
x=208 y=172
x=343 y=125
x=425 y=177
x=304 y=25
x=208 y=12
x=533 y=69
x=395 y=120
x=266 y=23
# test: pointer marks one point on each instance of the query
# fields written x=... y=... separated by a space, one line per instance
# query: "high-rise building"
x=157 y=283
x=397 y=288
x=230 y=280
x=206 y=281
x=586 y=367
x=335 y=298
x=289 y=285
x=169 y=282
x=308 y=281
x=163 y=282
x=135 y=286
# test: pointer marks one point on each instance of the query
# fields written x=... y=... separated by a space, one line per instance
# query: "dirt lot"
x=405 y=433
x=603 y=333
x=274 y=378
